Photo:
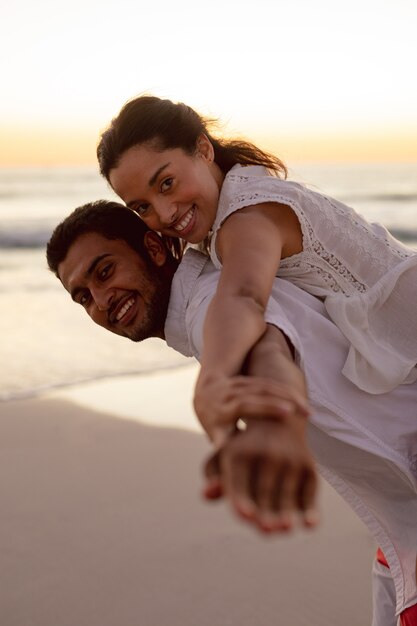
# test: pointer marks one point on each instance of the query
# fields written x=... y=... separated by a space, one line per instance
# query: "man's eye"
x=83 y=299
x=103 y=273
x=167 y=184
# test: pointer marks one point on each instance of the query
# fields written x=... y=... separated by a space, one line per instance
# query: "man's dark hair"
x=110 y=219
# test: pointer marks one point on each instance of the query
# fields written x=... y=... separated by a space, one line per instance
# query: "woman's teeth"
x=124 y=309
x=185 y=220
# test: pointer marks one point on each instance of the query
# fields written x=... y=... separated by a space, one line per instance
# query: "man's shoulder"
x=192 y=265
x=187 y=287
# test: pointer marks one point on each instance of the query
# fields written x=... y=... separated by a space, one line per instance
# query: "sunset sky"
x=311 y=80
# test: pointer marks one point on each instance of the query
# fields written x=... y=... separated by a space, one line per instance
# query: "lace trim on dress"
x=336 y=265
x=327 y=277
x=402 y=253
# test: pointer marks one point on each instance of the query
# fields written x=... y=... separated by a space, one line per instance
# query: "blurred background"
x=328 y=86
x=314 y=80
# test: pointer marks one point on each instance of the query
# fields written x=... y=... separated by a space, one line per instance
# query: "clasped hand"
x=265 y=470
x=219 y=403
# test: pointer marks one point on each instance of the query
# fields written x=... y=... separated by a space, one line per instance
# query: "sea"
x=47 y=342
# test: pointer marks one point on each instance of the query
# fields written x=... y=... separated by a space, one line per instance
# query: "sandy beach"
x=102 y=524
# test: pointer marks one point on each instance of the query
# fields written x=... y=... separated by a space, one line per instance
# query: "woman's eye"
x=141 y=209
x=167 y=184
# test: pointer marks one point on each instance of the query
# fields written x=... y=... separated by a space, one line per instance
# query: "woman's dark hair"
x=168 y=125
x=110 y=219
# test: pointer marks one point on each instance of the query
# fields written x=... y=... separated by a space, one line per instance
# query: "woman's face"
x=174 y=193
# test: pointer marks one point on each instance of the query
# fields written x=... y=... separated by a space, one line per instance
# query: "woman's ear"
x=205 y=148
x=155 y=248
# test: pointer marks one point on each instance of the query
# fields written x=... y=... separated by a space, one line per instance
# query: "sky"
x=310 y=80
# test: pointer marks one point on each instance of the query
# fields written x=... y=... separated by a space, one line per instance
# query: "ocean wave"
x=33 y=234
x=379 y=197
x=26 y=181
x=63 y=191
x=37 y=234
x=36 y=391
x=404 y=235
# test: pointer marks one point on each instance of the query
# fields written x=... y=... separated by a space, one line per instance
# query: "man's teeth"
x=185 y=220
x=125 y=309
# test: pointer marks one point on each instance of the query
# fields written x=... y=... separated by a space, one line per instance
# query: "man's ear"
x=205 y=148
x=155 y=248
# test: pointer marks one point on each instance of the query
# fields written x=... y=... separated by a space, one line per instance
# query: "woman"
x=161 y=159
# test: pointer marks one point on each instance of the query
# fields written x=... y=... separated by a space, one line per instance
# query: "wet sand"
x=102 y=524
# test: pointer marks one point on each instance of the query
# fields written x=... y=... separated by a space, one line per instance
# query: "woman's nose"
x=167 y=213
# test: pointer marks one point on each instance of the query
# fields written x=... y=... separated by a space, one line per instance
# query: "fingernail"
x=213 y=490
x=284 y=522
x=287 y=519
x=270 y=522
x=311 y=517
x=246 y=509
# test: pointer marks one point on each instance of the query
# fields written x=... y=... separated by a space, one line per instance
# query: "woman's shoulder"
x=245 y=171
x=253 y=182
x=257 y=175
x=250 y=185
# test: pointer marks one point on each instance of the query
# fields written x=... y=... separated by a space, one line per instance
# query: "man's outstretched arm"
x=266 y=470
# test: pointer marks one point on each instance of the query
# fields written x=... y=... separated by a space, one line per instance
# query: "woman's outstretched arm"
x=250 y=244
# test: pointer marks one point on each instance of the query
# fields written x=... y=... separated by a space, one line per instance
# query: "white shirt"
x=365 y=444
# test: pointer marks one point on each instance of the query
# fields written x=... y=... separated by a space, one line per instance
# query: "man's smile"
x=124 y=311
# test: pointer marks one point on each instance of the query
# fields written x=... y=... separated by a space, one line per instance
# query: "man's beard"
x=153 y=319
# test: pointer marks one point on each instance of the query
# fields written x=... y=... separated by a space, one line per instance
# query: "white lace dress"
x=367 y=279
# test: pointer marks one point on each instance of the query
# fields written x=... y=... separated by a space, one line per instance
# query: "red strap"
x=409 y=616
x=380 y=557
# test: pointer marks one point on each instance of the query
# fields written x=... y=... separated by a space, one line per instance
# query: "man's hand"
x=266 y=471
x=268 y=475
x=220 y=402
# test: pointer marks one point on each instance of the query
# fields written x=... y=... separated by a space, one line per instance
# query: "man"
x=126 y=289
x=366 y=445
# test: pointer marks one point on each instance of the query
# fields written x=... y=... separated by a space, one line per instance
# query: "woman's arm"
x=250 y=244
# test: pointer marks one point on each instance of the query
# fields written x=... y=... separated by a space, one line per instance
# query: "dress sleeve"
x=246 y=186
x=381 y=326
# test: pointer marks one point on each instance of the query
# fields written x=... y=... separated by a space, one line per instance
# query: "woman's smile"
x=186 y=222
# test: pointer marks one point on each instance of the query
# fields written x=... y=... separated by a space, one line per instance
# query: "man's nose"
x=103 y=297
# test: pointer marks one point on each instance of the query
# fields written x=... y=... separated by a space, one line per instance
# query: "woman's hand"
x=221 y=402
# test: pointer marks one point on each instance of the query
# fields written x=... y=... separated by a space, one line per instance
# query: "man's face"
x=119 y=290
